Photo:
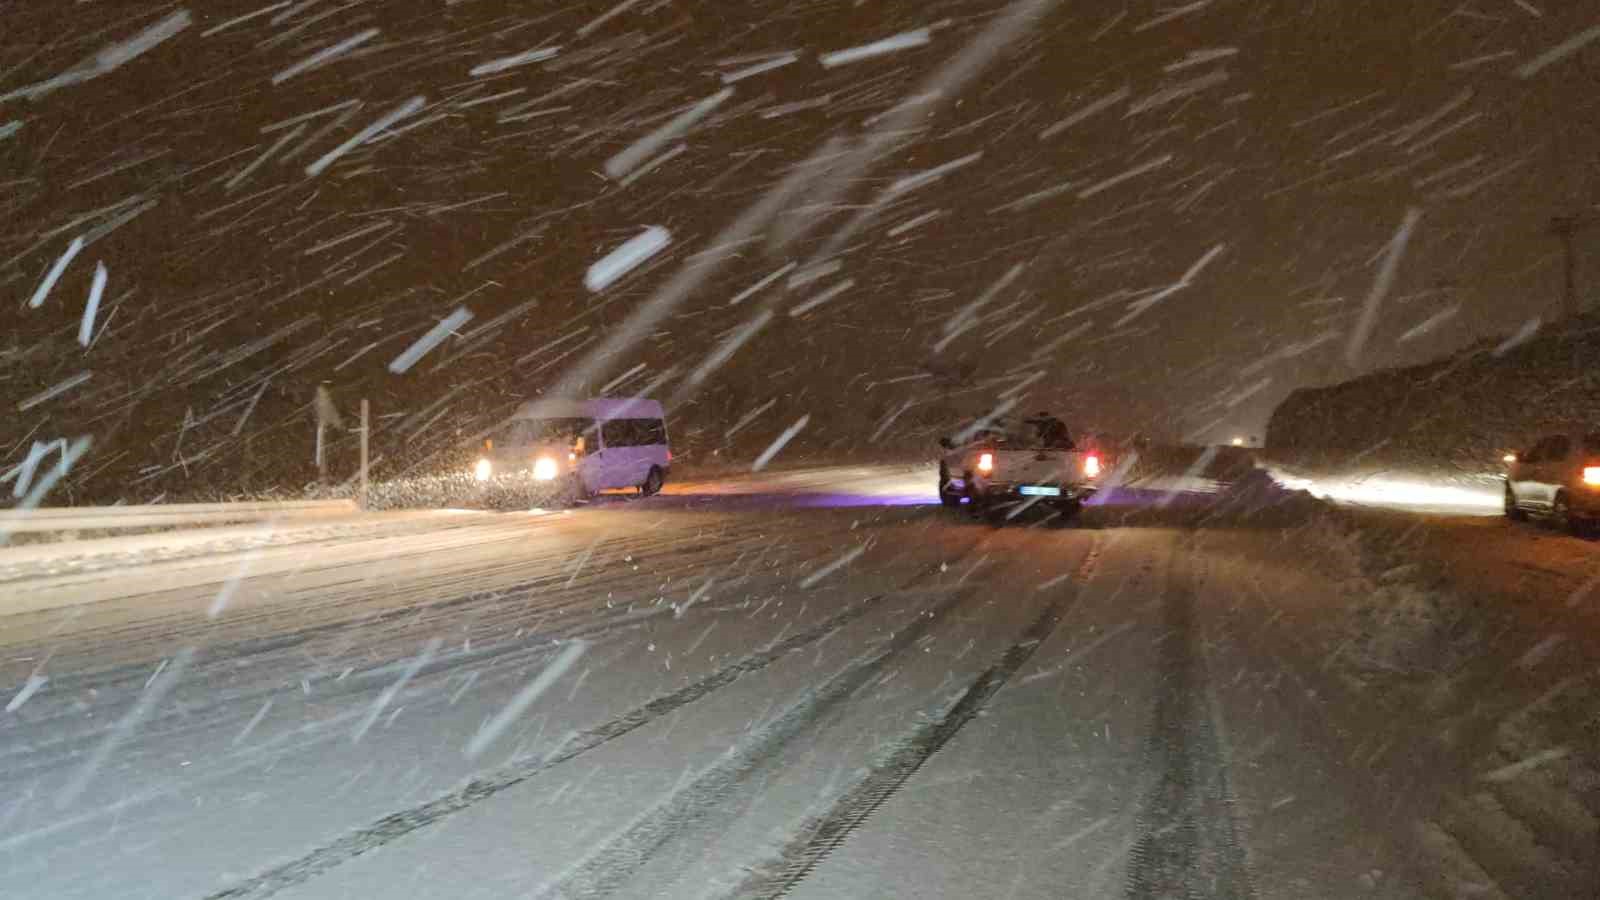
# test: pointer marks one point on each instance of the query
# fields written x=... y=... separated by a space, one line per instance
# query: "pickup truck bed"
x=994 y=479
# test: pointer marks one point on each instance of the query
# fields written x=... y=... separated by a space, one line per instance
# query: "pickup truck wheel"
x=1565 y=519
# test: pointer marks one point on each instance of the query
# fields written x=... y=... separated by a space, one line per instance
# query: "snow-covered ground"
x=816 y=682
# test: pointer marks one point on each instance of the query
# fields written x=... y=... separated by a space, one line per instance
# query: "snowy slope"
x=1457 y=415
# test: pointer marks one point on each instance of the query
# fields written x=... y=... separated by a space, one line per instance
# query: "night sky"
x=1160 y=216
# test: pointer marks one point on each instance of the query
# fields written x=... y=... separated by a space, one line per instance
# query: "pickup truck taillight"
x=1591 y=475
x=1091 y=466
x=986 y=462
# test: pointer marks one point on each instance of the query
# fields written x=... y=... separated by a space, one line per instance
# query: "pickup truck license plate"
x=1034 y=490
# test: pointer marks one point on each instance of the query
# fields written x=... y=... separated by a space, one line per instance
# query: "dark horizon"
x=1266 y=154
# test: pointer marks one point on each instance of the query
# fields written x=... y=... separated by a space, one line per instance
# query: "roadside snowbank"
x=1453 y=418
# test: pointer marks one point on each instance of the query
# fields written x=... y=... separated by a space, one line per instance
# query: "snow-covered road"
x=815 y=683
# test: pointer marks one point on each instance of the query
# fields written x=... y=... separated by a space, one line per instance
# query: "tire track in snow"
x=1187 y=843
x=707 y=798
x=819 y=837
x=406 y=821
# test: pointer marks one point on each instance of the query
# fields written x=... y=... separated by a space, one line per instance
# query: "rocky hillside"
x=1460 y=413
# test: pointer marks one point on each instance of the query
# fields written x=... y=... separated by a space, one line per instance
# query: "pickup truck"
x=1006 y=466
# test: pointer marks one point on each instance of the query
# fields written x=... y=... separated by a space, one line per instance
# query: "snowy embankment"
x=1451 y=420
x=1438 y=646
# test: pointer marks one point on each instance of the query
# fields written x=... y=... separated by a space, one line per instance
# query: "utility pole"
x=1566 y=228
x=327 y=414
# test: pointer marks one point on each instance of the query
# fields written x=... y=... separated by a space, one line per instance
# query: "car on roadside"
x=1557 y=478
x=561 y=451
x=1006 y=465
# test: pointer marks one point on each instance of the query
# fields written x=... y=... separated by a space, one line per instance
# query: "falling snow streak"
x=1201 y=57
x=1100 y=105
x=1409 y=132
x=1559 y=52
x=1134 y=172
x=538 y=351
x=1517 y=769
x=23 y=472
x=34 y=684
x=1380 y=287
x=606 y=388
x=921 y=179
x=814 y=273
x=36 y=493
x=619 y=262
x=822 y=298
x=1472 y=187
x=54 y=275
x=1522 y=335
x=844 y=560
x=1171 y=14
x=341 y=106
x=967 y=317
x=329 y=244
x=1428 y=324
x=434 y=337
x=53 y=391
x=664 y=301
x=110 y=58
x=749 y=417
x=405 y=109
x=525 y=698
x=383 y=700
x=96 y=289
x=1178 y=92
x=1138 y=307
x=754 y=288
x=903 y=41
x=494 y=66
x=160 y=685
x=325 y=56
x=729 y=347
x=649 y=145
x=607 y=16
x=652 y=165
x=270 y=152
x=239 y=20
x=917 y=222
x=777 y=446
x=777 y=62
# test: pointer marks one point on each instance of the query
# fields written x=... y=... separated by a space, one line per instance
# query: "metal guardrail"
x=85 y=518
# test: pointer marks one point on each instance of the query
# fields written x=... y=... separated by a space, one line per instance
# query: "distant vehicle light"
x=986 y=462
x=1238 y=442
x=482 y=470
x=572 y=457
x=1509 y=458
x=1591 y=474
x=545 y=468
x=1091 y=466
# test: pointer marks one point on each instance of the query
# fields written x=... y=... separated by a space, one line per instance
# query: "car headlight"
x=545 y=468
x=1591 y=475
x=1091 y=465
x=482 y=470
x=986 y=462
